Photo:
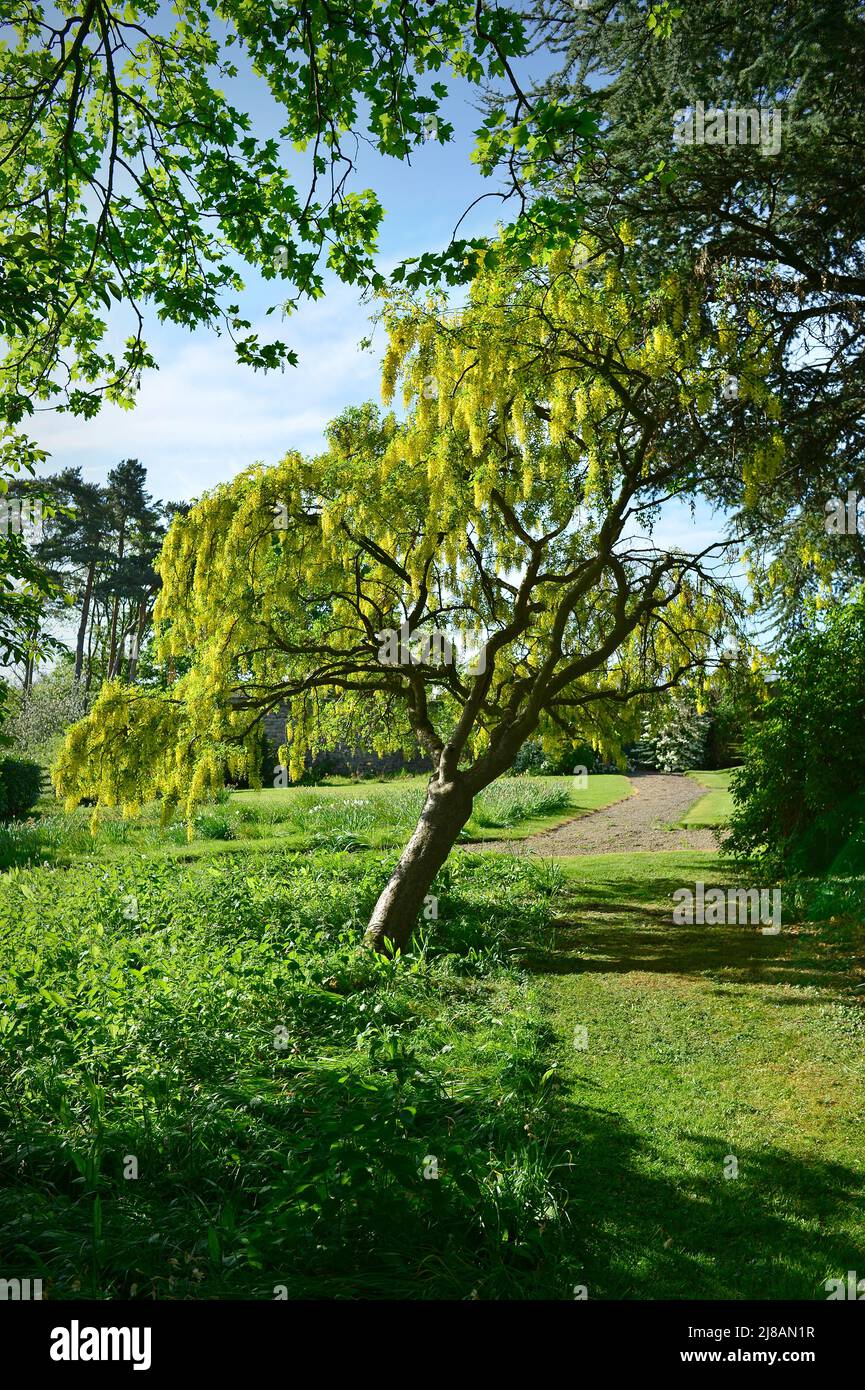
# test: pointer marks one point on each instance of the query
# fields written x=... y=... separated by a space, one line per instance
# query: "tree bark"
x=113 y=663
x=85 y=616
x=132 y=666
x=28 y=674
x=89 y=679
x=447 y=808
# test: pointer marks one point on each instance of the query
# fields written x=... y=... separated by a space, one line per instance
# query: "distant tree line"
x=96 y=547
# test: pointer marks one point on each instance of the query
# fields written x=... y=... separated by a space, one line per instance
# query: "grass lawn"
x=348 y=815
x=333 y=788
x=704 y=1043
x=302 y=1114
x=509 y=800
x=714 y=808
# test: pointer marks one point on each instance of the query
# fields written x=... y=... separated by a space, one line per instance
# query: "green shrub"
x=829 y=899
x=215 y=825
x=735 y=698
x=43 y=715
x=532 y=759
x=20 y=787
x=799 y=799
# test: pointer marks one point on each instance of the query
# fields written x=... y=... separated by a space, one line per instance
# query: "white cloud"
x=202 y=418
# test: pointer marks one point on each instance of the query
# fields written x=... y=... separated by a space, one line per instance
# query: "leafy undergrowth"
x=284 y=1098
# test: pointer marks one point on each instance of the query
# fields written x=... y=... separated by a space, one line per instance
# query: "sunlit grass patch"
x=713 y=809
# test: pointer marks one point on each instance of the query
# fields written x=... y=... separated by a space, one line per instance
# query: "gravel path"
x=638 y=823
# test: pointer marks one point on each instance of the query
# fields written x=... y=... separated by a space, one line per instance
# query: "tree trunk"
x=82 y=626
x=132 y=667
x=90 y=648
x=28 y=673
x=448 y=807
x=113 y=662
x=112 y=649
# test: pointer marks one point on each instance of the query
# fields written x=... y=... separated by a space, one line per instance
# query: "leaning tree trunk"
x=446 y=811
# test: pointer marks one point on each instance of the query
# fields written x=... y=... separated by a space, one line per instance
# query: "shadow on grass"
x=658 y=1227
x=622 y=930
x=578 y=1199
x=777 y=1231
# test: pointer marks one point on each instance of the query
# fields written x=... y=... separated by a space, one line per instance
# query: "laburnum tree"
x=482 y=570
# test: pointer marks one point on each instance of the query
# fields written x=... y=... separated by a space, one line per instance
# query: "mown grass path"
x=702 y=1045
